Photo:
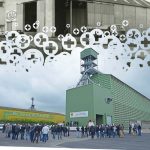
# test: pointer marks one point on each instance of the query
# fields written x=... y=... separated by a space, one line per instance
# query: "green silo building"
x=103 y=98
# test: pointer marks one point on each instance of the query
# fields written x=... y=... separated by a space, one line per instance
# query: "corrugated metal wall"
x=148 y=18
x=141 y=17
x=109 y=14
x=118 y=13
x=98 y=12
x=128 y=104
x=91 y=14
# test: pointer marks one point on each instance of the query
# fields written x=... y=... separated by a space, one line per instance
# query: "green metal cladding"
x=127 y=104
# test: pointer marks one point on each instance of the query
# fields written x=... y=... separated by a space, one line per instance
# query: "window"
x=1 y=4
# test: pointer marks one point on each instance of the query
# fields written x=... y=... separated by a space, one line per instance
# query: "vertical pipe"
x=71 y=16
x=45 y=13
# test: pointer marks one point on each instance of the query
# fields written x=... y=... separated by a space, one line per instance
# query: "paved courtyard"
x=128 y=142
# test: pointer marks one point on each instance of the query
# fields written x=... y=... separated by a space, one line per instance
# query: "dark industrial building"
x=78 y=13
x=88 y=12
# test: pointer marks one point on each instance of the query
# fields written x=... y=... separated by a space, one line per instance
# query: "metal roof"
x=137 y=3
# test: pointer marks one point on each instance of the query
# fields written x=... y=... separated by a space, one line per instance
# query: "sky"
x=48 y=85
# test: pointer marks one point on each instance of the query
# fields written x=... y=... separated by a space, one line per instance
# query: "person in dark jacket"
x=92 y=131
x=65 y=131
x=139 y=130
x=13 y=131
x=86 y=131
x=59 y=132
x=4 y=128
x=17 y=131
x=27 y=131
x=37 y=131
x=22 y=132
x=82 y=131
x=97 y=131
x=68 y=130
x=78 y=131
x=53 y=131
x=109 y=131
x=32 y=133
x=130 y=129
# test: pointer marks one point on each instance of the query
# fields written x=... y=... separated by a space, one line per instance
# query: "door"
x=60 y=16
x=30 y=14
x=99 y=119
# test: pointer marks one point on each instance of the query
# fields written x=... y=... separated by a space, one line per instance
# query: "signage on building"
x=78 y=114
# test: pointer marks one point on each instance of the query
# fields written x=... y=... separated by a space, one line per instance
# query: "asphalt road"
x=4 y=141
x=127 y=143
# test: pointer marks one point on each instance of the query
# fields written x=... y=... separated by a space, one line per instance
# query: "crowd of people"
x=101 y=131
x=135 y=129
x=34 y=133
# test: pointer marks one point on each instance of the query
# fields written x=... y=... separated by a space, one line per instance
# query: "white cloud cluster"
x=48 y=85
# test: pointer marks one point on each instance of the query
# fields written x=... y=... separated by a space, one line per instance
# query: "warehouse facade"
x=105 y=99
x=8 y=114
x=77 y=13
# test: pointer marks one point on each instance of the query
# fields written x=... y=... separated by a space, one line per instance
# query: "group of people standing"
x=135 y=129
x=34 y=132
x=101 y=131
x=26 y=132
x=59 y=131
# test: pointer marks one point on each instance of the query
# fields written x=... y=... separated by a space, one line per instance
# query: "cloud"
x=48 y=85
